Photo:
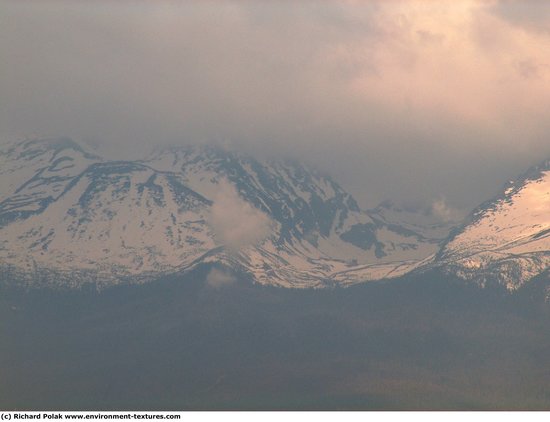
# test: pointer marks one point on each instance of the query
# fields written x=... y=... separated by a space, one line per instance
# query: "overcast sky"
x=413 y=101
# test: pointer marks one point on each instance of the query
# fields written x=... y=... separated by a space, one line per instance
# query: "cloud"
x=235 y=223
x=531 y=15
x=418 y=98
x=445 y=212
x=217 y=278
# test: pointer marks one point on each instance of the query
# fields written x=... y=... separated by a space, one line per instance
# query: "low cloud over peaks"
x=442 y=210
x=419 y=98
x=235 y=223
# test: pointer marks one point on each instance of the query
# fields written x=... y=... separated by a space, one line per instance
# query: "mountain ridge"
x=504 y=240
x=71 y=217
x=107 y=221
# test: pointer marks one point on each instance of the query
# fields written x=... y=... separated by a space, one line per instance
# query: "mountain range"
x=69 y=217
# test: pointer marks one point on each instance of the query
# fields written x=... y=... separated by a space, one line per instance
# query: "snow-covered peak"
x=20 y=160
x=301 y=199
x=29 y=148
x=71 y=217
x=34 y=173
x=506 y=240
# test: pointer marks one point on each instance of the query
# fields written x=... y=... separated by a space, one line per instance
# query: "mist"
x=236 y=224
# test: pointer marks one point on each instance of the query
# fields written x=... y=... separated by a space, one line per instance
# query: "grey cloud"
x=338 y=84
x=527 y=68
x=532 y=15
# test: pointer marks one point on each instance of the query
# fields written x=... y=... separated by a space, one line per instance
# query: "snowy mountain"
x=506 y=240
x=35 y=172
x=68 y=217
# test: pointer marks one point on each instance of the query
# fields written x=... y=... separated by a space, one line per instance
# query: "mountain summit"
x=506 y=240
x=69 y=217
